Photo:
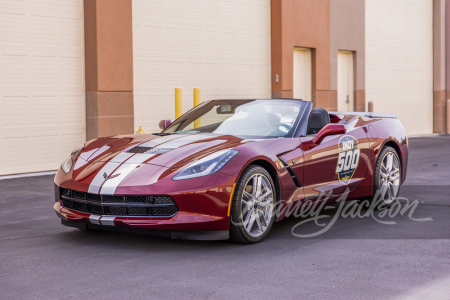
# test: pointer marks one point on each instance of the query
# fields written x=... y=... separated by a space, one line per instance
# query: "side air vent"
x=291 y=172
x=149 y=150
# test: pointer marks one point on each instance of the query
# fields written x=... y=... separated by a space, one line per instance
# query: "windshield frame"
x=297 y=129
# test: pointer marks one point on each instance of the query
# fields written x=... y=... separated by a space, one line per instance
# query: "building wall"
x=306 y=24
x=439 y=67
x=347 y=32
x=61 y=84
x=399 y=61
x=42 y=100
x=222 y=47
x=325 y=26
x=109 y=67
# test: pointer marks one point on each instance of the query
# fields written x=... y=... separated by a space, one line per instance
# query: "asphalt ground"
x=357 y=258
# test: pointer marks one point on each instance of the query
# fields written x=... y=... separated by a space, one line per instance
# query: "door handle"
x=348 y=100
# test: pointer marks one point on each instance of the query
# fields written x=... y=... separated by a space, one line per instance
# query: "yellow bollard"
x=140 y=130
x=178 y=103
x=197 y=97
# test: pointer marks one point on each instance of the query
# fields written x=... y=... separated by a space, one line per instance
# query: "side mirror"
x=163 y=124
x=330 y=129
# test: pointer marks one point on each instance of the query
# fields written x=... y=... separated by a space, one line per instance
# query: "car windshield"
x=248 y=118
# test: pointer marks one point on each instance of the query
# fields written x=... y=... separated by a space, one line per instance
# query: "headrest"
x=318 y=118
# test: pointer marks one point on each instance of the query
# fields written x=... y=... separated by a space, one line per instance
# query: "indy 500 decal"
x=348 y=160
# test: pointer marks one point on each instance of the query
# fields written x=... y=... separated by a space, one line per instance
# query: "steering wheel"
x=285 y=126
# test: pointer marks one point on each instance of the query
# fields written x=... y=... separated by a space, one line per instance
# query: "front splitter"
x=218 y=235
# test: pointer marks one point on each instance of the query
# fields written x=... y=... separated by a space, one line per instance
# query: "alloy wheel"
x=389 y=178
x=257 y=205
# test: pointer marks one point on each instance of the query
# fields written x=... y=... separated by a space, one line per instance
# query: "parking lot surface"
x=359 y=258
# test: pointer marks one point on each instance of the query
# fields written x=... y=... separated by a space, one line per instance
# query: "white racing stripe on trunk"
x=108 y=168
x=95 y=219
x=109 y=187
x=107 y=221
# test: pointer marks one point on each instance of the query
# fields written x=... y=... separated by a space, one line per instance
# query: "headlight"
x=207 y=165
x=67 y=164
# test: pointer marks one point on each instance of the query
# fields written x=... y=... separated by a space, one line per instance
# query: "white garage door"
x=221 y=46
x=399 y=61
x=41 y=83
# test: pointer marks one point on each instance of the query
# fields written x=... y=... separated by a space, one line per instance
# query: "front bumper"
x=202 y=215
x=215 y=235
x=182 y=221
x=159 y=227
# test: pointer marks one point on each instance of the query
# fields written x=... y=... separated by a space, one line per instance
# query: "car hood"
x=171 y=151
x=118 y=164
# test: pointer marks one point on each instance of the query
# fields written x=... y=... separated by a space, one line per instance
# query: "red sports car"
x=227 y=169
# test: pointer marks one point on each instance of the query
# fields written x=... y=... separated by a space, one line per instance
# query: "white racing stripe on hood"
x=161 y=140
x=121 y=157
x=97 y=152
x=109 y=187
x=108 y=168
x=183 y=141
x=98 y=180
x=139 y=158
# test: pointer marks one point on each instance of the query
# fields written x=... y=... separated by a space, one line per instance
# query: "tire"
x=252 y=208
x=387 y=178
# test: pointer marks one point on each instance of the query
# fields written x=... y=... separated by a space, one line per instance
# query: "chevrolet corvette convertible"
x=228 y=169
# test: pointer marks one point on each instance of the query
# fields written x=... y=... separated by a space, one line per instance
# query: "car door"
x=318 y=168
x=337 y=163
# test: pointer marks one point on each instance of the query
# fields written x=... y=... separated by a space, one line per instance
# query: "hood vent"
x=149 y=150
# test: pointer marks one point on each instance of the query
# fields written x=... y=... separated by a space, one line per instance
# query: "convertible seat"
x=318 y=118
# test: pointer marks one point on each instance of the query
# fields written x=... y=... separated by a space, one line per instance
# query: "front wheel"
x=252 y=208
x=387 y=178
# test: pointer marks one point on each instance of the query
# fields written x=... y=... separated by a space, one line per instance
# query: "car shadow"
x=330 y=224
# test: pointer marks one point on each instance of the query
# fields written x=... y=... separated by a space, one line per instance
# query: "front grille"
x=132 y=205
x=163 y=200
x=138 y=211
x=115 y=210
x=80 y=206
x=78 y=195
x=66 y=193
x=164 y=211
x=113 y=199
x=67 y=203
x=94 y=198
x=137 y=199
x=95 y=209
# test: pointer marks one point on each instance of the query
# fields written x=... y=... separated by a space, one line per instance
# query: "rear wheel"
x=387 y=179
x=252 y=208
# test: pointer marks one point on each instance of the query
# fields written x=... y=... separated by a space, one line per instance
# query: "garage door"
x=399 y=61
x=41 y=83
x=220 y=46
